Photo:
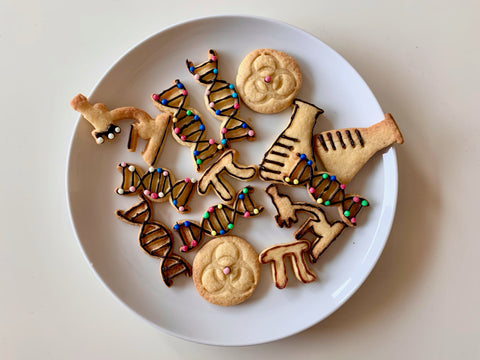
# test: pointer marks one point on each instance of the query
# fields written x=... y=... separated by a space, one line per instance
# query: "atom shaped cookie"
x=268 y=80
x=226 y=271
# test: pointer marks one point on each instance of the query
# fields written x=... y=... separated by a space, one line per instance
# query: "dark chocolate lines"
x=187 y=125
x=158 y=184
x=156 y=240
x=217 y=220
x=222 y=100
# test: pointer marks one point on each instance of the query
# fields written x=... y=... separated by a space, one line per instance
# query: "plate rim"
x=390 y=154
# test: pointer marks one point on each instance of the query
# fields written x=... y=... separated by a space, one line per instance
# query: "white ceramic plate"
x=111 y=246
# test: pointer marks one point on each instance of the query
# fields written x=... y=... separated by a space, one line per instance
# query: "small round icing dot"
x=244 y=125
x=219 y=147
x=226 y=270
x=202 y=127
x=194 y=243
x=184 y=248
x=236 y=105
x=214 y=233
x=184 y=92
x=230 y=226
x=131 y=168
x=256 y=211
x=180 y=85
x=210 y=209
x=111 y=136
x=246 y=215
x=319 y=200
x=224 y=141
x=234 y=95
x=181 y=209
x=267 y=79
x=333 y=178
x=196 y=117
x=217 y=112
x=231 y=86
x=199 y=161
x=211 y=141
x=187 y=180
x=174 y=120
x=195 y=152
x=154 y=195
x=311 y=190
x=222 y=232
x=193 y=181
x=189 y=113
x=219 y=206
x=212 y=104
x=224 y=130
x=325 y=176
x=303 y=156
x=207 y=92
x=176 y=130
x=161 y=194
x=186 y=223
x=346 y=213
x=146 y=192
x=295 y=182
x=287 y=179
x=327 y=203
x=183 y=138
x=251 y=133
x=353 y=220
x=120 y=192
x=364 y=203
x=151 y=169
x=123 y=164
x=206 y=215
x=191 y=68
x=165 y=173
x=241 y=196
x=309 y=162
x=356 y=199
x=197 y=77
x=117 y=130
x=215 y=71
x=176 y=226
x=245 y=190
x=159 y=170
x=342 y=186
x=155 y=97
x=214 y=58
x=164 y=102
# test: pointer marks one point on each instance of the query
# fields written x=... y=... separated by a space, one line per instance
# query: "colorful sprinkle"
x=201 y=127
x=333 y=178
x=224 y=130
x=215 y=71
x=224 y=141
x=364 y=203
x=180 y=85
x=222 y=232
x=154 y=195
x=325 y=176
x=346 y=213
x=155 y=97
x=176 y=226
x=189 y=112
x=181 y=209
x=196 y=152
x=295 y=182
x=268 y=79
x=245 y=190
x=111 y=136
x=183 y=138
x=176 y=130
x=214 y=58
x=251 y=133
x=212 y=104
x=100 y=140
x=256 y=211
x=234 y=95
x=230 y=226
x=194 y=243
x=211 y=141
x=231 y=86
x=187 y=180
x=146 y=192
x=353 y=220
x=236 y=106
x=217 y=112
x=226 y=270
x=123 y=164
x=165 y=173
x=184 y=92
x=311 y=190
x=327 y=203
x=319 y=200
x=196 y=117
x=244 y=125
x=303 y=156
x=219 y=206
x=161 y=194
x=175 y=202
x=241 y=196
x=342 y=186
x=207 y=92
x=199 y=161
x=120 y=192
x=164 y=102
x=213 y=233
x=287 y=179
x=174 y=120
x=219 y=147
x=309 y=162
x=196 y=76
x=246 y=215
x=206 y=215
x=356 y=199
x=192 y=69
x=131 y=168
x=211 y=209
x=186 y=223
x=184 y=248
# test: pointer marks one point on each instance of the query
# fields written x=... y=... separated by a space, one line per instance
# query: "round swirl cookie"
x=226 y=271
x=268 y=80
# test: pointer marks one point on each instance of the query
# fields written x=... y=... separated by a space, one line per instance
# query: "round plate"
x=111 y=246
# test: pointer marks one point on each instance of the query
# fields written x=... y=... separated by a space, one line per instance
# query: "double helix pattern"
x=187 y=125
x=326 y=190
x=221 y=99
x=156 y=183
x=156 y=240
x=217 y=220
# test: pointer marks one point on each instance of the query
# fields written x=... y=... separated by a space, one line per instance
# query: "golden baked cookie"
x=226 y=271
x=268 y=80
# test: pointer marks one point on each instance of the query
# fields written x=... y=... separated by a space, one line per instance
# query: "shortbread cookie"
x=295 y=251
x=226 y=271
x=157 y=184
x=226 y=165
x=217 y=220
x=156 y=240
x=221 y=99
x=280 y=162
x=343 y=152
x=105 y=126
x=317 y=224
x=268 y=80
x=188 y=128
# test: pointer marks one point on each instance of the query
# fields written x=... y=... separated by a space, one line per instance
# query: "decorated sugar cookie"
x=268 y=80
x=226 y=271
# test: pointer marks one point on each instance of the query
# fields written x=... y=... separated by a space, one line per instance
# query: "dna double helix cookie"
x=226 y=271
x=268 y=80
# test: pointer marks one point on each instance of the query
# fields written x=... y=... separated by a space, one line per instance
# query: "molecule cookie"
x=226 y=271
x=268 y=80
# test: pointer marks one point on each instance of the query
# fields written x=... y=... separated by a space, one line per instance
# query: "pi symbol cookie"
x=268 y=80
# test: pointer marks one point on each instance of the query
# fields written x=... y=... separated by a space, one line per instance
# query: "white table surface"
x=420 y=58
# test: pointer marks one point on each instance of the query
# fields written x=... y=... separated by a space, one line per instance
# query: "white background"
x=420 y=58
